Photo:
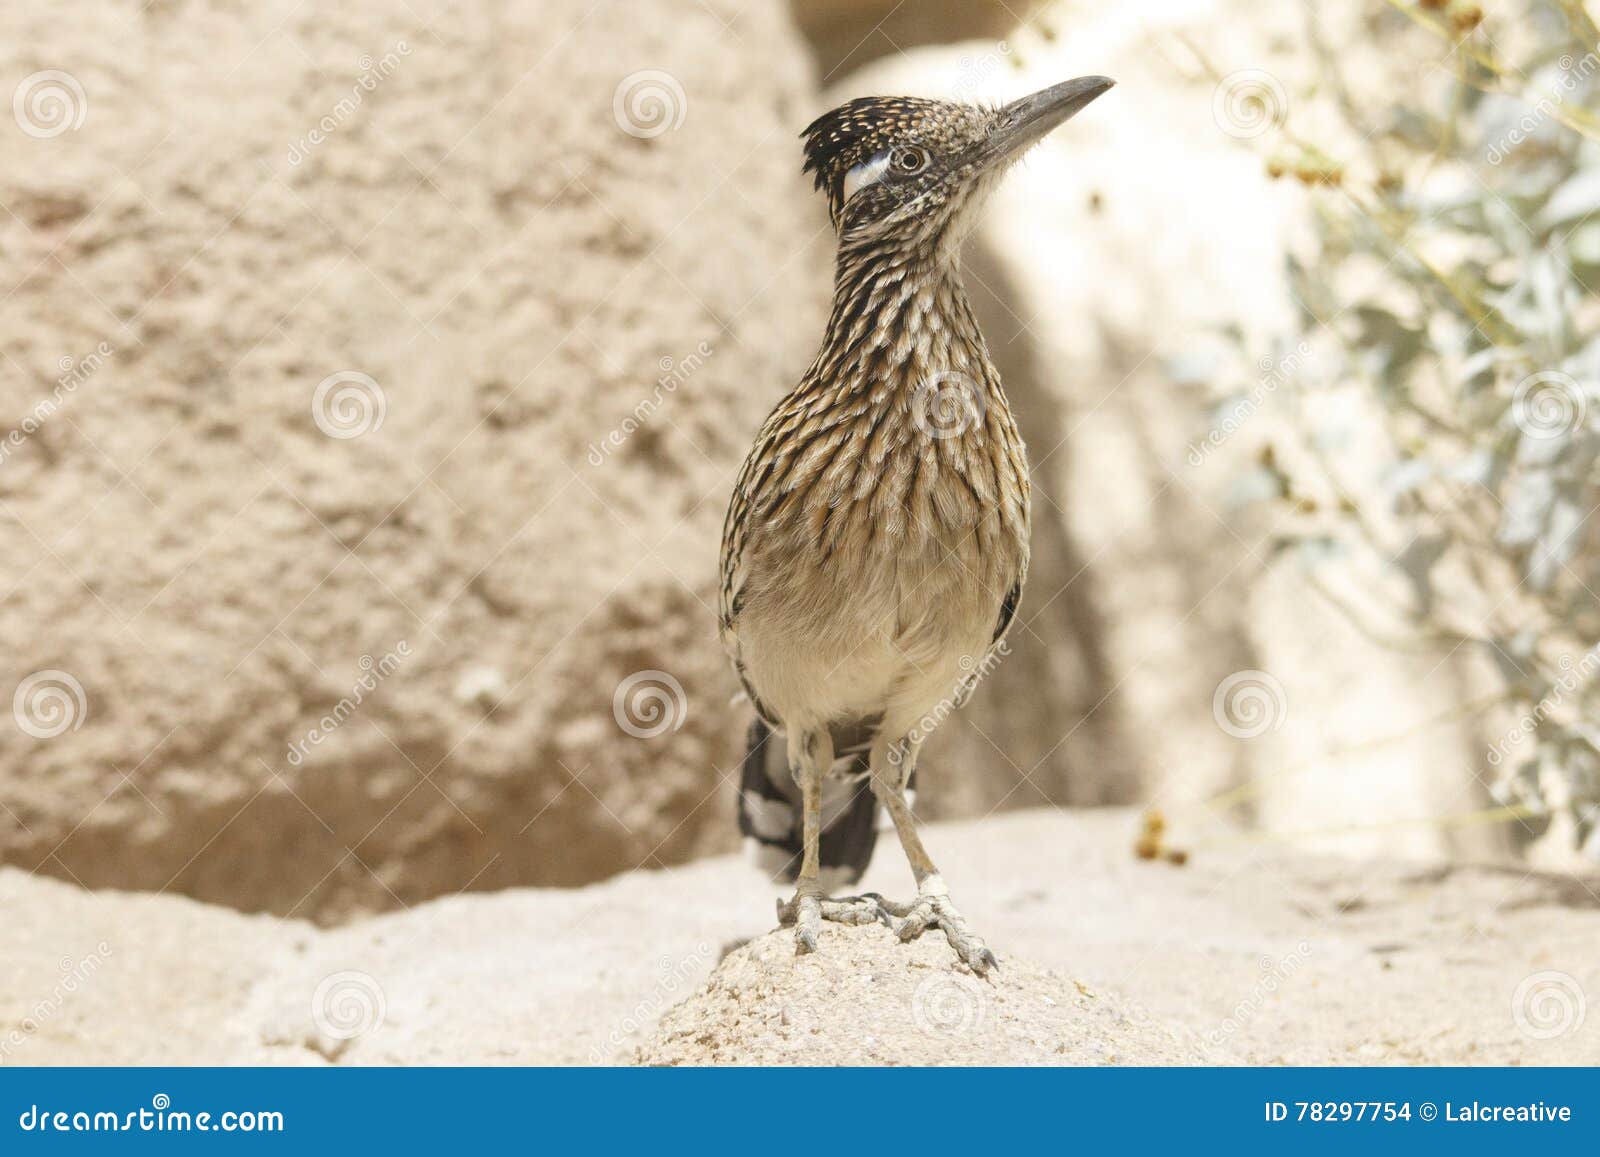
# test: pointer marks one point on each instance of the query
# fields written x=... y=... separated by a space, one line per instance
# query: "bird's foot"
x=809 y=908
x=933 y=908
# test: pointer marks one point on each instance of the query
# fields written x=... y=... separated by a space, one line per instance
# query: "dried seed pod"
x=1465 y=17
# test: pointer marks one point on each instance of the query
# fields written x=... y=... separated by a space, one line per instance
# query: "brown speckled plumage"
x=877 y=537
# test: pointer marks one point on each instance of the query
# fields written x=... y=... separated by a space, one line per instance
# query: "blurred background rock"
x=565 y=261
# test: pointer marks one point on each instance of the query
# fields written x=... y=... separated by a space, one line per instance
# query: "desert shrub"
x=1449 y=284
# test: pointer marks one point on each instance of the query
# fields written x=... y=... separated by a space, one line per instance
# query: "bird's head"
x=914 y=170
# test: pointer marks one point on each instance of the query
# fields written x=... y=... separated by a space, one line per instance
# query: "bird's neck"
x=898 y=317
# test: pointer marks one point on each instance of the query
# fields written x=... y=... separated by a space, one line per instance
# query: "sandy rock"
x=493 y=234
x=1251 y=953
x=863 y=998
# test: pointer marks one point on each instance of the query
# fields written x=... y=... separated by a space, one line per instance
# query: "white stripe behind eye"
x=864 y=174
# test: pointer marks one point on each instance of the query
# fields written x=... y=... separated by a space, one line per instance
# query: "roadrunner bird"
x=877 y=538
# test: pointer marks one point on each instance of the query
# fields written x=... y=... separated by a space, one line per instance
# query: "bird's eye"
x=910 y=161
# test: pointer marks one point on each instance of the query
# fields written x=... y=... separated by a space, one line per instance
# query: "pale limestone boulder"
x=554 y=262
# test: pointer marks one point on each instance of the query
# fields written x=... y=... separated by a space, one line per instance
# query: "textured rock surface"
x=1251 y=953
x=866 y=999
x=477 y=234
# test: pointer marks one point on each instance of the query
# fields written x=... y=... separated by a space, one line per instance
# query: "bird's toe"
x=807 y=923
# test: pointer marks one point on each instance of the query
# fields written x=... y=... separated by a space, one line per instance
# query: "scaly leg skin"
x=810 y=755
x=932 y=907
x=866 y=909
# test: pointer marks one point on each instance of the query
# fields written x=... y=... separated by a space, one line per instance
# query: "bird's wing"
x=765 y=459
x=735 y=531
x=1008 y=611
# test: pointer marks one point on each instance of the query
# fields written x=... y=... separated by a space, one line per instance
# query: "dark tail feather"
x=769 y=811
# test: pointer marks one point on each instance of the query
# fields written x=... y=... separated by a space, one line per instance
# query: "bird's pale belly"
x=886 y=630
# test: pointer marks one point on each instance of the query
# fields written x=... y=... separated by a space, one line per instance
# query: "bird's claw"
x=909 y=921
x=807 y=909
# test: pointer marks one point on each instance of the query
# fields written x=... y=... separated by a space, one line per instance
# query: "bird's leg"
x=891 y=768
x=810 y=757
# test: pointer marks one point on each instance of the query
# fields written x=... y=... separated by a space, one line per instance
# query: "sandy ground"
x=1255 y=954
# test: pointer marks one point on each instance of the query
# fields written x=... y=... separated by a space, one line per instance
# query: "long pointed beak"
x=1026 y=121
